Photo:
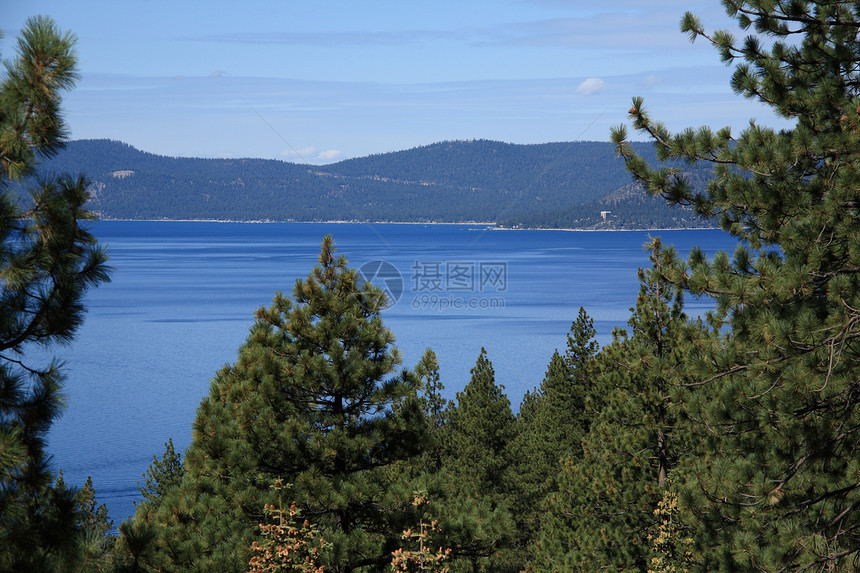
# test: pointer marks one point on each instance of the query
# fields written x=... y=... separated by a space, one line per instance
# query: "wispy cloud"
x=333 y=38
x=298 y=153
x=605 y=30
x=311 y=155
x=613 y=29
x=591 y=86
x=617 y=4
x=326 y=121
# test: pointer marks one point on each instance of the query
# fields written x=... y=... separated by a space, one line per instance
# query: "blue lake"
x=183 y=295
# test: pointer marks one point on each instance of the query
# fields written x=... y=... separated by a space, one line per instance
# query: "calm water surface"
x=183 y=296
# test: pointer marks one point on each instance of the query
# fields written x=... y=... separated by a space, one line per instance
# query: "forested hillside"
x=553 y=184
x=626 y=208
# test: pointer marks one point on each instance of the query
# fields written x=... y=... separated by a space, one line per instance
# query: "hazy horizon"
x=330 y=81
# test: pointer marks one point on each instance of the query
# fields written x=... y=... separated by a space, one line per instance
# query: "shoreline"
x=490 y=224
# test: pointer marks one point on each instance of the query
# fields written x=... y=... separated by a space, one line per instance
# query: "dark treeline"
x=627 y=208
x=552 y=184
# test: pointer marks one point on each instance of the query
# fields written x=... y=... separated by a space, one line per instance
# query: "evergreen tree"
x=90 y=541
x=481 y=428
x=135 y=547
x=554 y=418
x=603 y=512
x=779 y=489
x=552 y=422
x=471 y=527
x=435 y=408
x=313 y=400
x=477 y=474
x=581 y=349
x=542 y=439
x=48 y=261
x=434 y=403
x=162 y=475
x=93 y=517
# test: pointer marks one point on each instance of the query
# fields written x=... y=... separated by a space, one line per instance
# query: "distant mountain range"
x=559 y=185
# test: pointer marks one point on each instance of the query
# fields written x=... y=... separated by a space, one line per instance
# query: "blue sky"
x=328 y=80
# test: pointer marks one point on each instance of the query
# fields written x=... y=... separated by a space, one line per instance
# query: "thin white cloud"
x=591 y=86
x=651 y=25
x=202 y=117
x=330 y=154
x=300 y=153
x=330 y=39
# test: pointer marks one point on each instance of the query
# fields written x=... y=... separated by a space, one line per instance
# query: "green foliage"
x=474 y=528
x=32 y=123
x=312 y=400
x=93 y=517
x=435 y=407
x=602 y=512
x=162 y=475
x=551 y=424
x=66 y=530
x=48 y=261
x=581 y=348
x=93 y=525
x=777 y=487
x=135 y=547
x=434 y=404
x=480 y=428
x=477 y=473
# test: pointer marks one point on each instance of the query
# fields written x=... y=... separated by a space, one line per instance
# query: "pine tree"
x=603 y=511
x=162 y=475
x=93 y=516
x=435 y=408
x=48 y=261
x=581 y=350
x=552 y=422
x=135 y=547
x=543 y=438
x=473 y=527
x=554 y=418
x=476 y=473
x=434 y=403
x=481 y=428
x=780 y=490
x=313 y=400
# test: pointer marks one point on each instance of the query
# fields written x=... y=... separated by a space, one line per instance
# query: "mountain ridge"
x=560 y=185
